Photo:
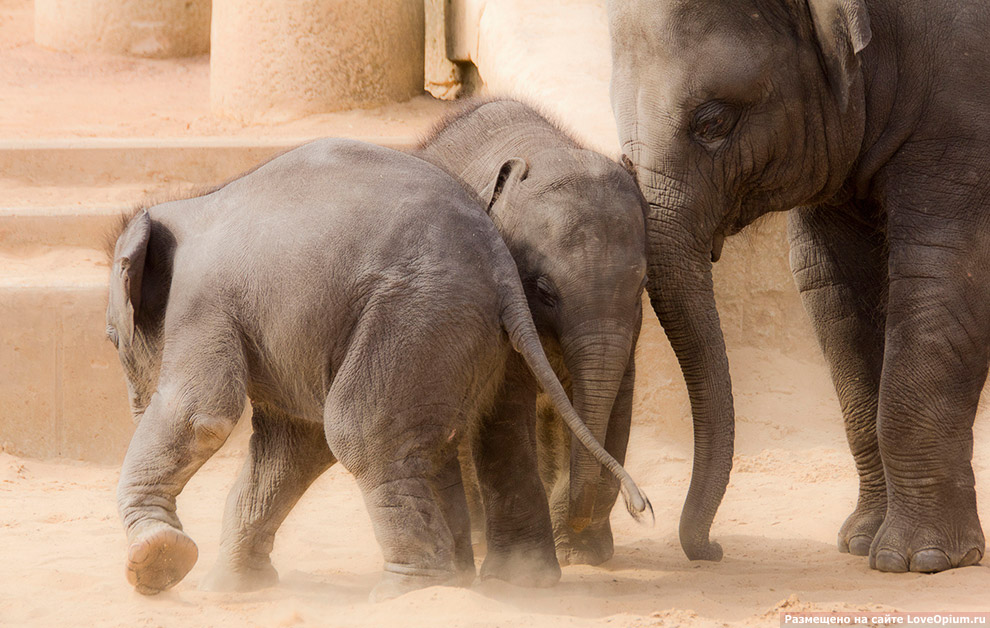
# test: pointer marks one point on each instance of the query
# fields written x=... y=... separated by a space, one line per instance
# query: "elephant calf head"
x=574 y=222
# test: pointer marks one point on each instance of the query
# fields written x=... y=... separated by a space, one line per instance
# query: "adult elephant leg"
x=840 y=266
x=517 y=518
x=285 y=456
x=935 y=365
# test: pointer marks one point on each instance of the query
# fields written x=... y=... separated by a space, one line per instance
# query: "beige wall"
x=275 y=60
x=142 y=28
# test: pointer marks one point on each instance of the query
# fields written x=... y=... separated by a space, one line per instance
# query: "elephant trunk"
x=596 y=356
x=681 y=292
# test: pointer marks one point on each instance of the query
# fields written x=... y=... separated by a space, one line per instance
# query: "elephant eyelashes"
x=545 y=292
x=112 y=335
x=714 y=120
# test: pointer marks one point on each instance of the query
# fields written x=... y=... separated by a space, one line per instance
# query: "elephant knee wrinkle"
x=211 y=432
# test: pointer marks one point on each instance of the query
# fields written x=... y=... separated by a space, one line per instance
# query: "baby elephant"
x=574 y=222
x=366 y=305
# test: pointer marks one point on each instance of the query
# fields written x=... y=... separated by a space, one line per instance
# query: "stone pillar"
x=142 y=28
x=275 y=60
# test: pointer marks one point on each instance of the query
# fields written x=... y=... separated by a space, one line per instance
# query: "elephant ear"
x=125 y=279
x=843 y=31
x=511 y=172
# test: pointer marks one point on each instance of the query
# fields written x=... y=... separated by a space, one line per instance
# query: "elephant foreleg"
x=839 y=263
x=594 y=544
x=285 y=456
x=935 y=366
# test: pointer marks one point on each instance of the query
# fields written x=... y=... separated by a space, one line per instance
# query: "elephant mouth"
x=737 y=219
x=717 y=241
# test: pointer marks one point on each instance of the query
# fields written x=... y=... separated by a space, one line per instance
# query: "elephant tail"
x=518 y=323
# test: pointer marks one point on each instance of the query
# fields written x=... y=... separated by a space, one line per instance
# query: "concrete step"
x=62 y=391
x=35 y=230
x=96 y=162
x=70 y=192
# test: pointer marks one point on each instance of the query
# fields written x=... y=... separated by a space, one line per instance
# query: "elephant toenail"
x=972 y=557
x=889 y=560
x=930 y=561
x=859 y=545
x=138 y=553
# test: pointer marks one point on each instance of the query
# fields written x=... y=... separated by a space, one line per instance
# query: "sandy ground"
x=792 y=486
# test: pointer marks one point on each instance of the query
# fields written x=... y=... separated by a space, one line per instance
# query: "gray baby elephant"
x=368 y=308
x=574 y=222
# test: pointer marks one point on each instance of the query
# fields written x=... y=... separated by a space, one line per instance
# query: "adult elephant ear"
x=843 y=31
x=511 y=172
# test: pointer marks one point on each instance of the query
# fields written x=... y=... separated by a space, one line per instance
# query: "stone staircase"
x=61 y=387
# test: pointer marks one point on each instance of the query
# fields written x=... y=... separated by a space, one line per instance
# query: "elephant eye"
x=546 y=292
x=714 y=120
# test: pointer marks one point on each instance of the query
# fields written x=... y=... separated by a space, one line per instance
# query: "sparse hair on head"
x=471 y=105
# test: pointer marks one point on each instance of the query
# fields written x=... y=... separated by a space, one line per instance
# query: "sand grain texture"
x=793 y=484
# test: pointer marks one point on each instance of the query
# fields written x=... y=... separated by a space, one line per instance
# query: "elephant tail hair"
x=518 y=323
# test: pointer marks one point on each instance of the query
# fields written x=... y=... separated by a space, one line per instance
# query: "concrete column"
x=275 y=60
x=142 y=28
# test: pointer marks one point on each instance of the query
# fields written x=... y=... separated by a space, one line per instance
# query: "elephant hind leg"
x=453 y=502
x=397 y=437
x=285 y=456
x=158 y=558
x=517 y=519
x=196 y=405
x=839 y=264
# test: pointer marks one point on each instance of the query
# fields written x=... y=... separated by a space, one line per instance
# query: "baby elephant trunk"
x=596 y=357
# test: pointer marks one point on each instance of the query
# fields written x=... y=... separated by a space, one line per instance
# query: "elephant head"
x=727 y=110
x=573 y=221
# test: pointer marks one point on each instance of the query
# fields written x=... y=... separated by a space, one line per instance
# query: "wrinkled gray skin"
x=872 y=118
x=367 y=306
x=573 y=221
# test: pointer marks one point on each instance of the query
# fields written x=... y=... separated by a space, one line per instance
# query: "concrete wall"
x=142 y=28
x=275 y=60
x=272 y=60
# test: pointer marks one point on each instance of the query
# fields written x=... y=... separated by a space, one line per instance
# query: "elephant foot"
x=589 y=547
x=225 y=578
x=466 y=573
x=906 y=543
x=532 y=567
x=400 y=579
x=857 y=532
x=158 y=558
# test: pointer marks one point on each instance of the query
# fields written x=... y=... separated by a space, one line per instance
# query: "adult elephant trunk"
x=596 y=354
x=681 y=292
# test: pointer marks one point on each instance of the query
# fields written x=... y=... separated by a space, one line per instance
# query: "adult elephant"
x=872 y=118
